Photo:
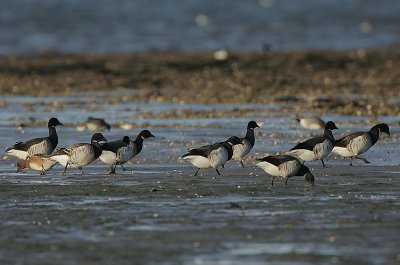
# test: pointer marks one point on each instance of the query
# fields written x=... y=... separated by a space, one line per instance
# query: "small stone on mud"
x=234 y=205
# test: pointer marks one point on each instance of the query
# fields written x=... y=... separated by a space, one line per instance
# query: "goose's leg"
x=363 y=159
x=65 y=169
x=123 y=169
x=112 y=171
x=42 y=172
x=351 y=161
x=286 y=180
x=195 y=174
x=83 y=173
x=241 y=162
x=272 y=182
x=217 y=171
x=323 y=164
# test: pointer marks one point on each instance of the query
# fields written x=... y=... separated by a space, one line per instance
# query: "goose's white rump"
x=286 y=169
x=198 y=161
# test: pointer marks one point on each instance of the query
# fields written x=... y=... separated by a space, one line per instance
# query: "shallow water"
x=157 y=212
x=126 y=25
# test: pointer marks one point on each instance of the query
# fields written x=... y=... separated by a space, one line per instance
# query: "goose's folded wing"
x=343 y=142
x=309 y=144
x=277 y=160
x=24 y=146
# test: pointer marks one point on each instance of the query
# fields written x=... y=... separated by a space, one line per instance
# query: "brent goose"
x=116 y=153
x=241 y=150
x=37 y=162
x=285 y=166
x=37 y=146
x=311 y=123
x=97 y=124
x=80 y=154
x=213 y=155
x=354 y=144
x=119 y=152
x=317 y=147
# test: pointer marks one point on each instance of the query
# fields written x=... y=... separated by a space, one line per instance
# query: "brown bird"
x=37 y=162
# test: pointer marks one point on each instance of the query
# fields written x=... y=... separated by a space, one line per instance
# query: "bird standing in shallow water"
x=37 y=146
x=357 y=143
x=241 y=150
x=213 y=155
x=285 y=166
x=80 y=154
x=317 y=147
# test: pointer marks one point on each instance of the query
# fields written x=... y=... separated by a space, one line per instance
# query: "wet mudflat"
x=166 y=216
x=156 y=212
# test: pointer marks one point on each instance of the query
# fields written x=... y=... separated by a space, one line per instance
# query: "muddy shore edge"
x=357 y=82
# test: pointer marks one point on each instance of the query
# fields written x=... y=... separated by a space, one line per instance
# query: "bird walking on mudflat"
x=40 y=163
x=119 y=152
x=316 y=148
x=285 y=166
x=241 y=150
x=357 y=143
x=37 y=146
x=213 y=155
x=80 y=154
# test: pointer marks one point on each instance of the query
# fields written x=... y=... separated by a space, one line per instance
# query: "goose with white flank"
x=285 y=166
x=97 y=124
x=80 y=154
x=119 y=152
x=357 y=143
x=37 y=146
x=317 y=147
x=311 y=123
x=241 y=150
x=116 y=153
x=40 y=163
x=213 y=155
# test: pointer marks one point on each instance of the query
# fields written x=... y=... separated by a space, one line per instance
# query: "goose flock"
x=40 y=153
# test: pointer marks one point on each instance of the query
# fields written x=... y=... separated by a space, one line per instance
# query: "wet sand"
x=361 y=82
x=166 y=216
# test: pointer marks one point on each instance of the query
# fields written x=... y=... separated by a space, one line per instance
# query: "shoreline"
x=359 y=82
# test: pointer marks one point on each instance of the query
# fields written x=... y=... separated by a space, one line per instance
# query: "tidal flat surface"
x=156 y=212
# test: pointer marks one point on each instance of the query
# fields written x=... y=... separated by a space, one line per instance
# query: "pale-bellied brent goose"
x=213 y=155
x=355 y=144
x=317 y=147
x=241 y=150
x=285 y=166
x=97 y=124
x=80 y=154
x=37 y=146
x=311 y=123
x=119 y=152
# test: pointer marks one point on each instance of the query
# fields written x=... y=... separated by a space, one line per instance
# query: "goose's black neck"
x=53 y=136
x=374 y=134
x=328 y=135
x=97 y=149
x=139 y=143
x=229 y=149
x=250 y=136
